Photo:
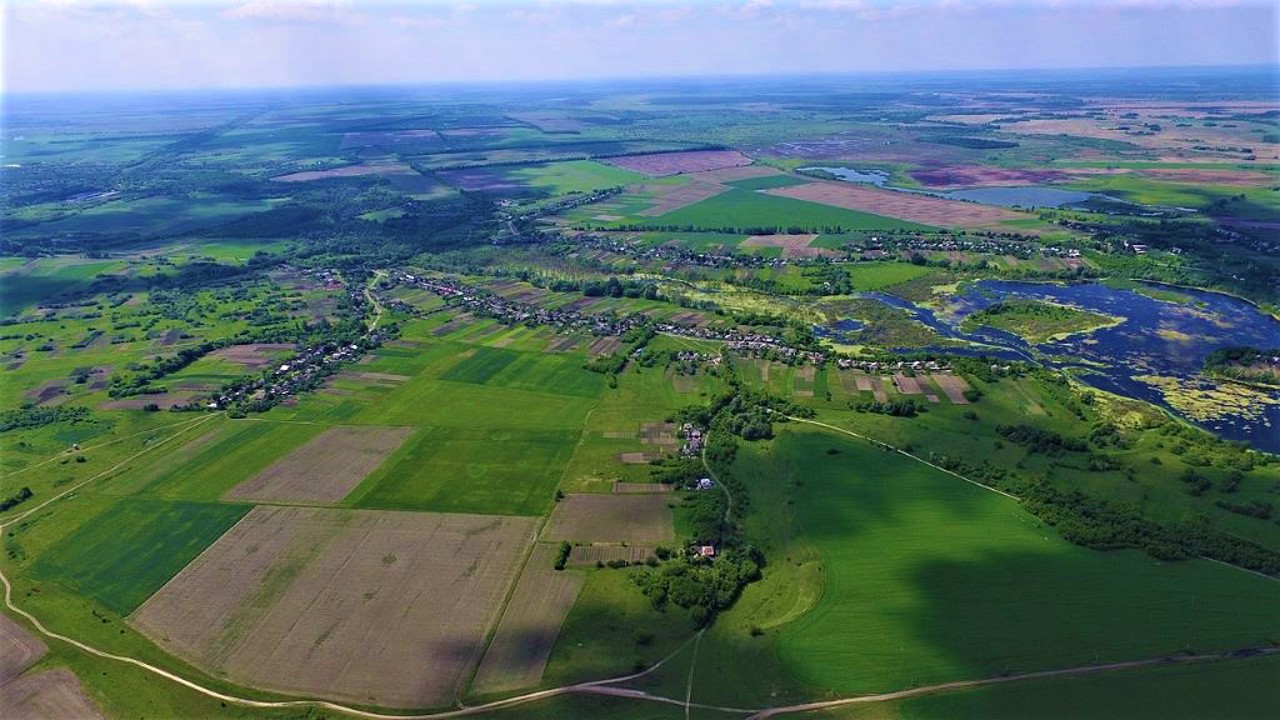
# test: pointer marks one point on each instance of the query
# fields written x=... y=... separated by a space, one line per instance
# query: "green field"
x=869 y=277
x=1236 y=690
x=1036 y=321
x=928 y=578
x=575 y=176
x=216 y=461
x=740 y=208
x=125 y=554
x=500 y=472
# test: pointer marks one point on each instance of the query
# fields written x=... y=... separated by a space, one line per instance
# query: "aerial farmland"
x=854 y=395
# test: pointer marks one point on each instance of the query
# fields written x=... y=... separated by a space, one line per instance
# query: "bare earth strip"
x=520 y=648
x=877 y=389
x=790 y=243
x=255 y=356
x=604 y=345
x=376 y=607
x=325 y=469
x=907 y=385
x=907 y=206
x=18 y=650
x=392 y=168
x=744 y=172
x=591 y=554
x=671 y=198
x=680 y=162
x=953 y=386
x=50 y=694
x=611 y=518
x=627 y=488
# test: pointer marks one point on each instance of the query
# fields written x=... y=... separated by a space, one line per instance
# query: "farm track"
x=969 y=684
x=594 y=687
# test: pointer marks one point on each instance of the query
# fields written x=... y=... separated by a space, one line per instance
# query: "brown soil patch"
x=906 y=206
x=628 y=488
x=953 y=387
x=326 y=468
x=164 y=401
x=19 y=649
x=604 y=346
x=479 y=179
x=383 y=377
x=451 y=325
x=780 y=241
x=669 y=198
x=384 y=168
x=611 y=518
x=954 y=176
x=638 y=458
x=877 y=389
x=170 y=337
x=50 y=694
x=731 y=174
x=375 y=607
x=579 y=304
x=1246 y=178
x=658 y=433
x=563 y=343
x=47 y=391
x=592 y=554
x=681 y=162
x=907 y=385
x=256 y=356
x=528 y=629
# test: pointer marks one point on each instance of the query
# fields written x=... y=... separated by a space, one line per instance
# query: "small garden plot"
x=379 y=608
x=907 y=385
x=256 y=356
x=590 y=555
x=803 y=382
x=529 y=627
x=634 y=488
x=326 y=469
x=612 y=518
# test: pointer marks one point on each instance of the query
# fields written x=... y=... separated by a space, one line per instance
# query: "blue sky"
x=79 y=45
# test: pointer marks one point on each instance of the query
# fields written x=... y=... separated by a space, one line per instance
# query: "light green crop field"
x=746 y=209
x=580 y=176
x=869 y=277
x=214 y=462
x=123 y=555
x=465 y=470
x=928 y=578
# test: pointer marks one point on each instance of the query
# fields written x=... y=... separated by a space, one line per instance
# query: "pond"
x=1029 y=196
x=873 y=177
x=1157 y=339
